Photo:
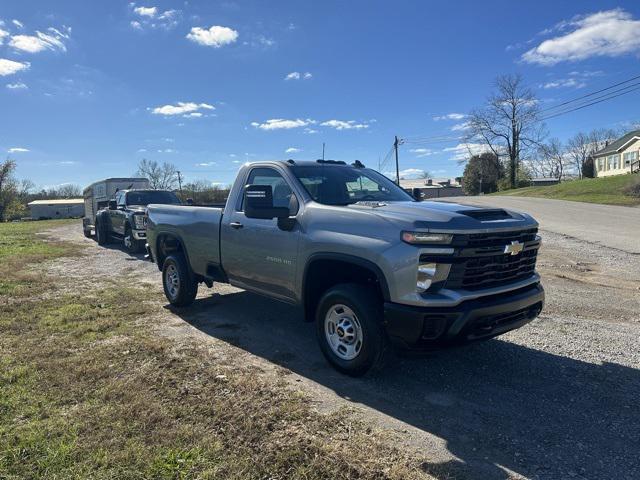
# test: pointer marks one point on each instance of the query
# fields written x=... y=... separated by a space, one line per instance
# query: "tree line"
x=509 y=144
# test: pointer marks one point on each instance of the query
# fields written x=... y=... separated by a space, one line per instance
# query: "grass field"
x=89 y=391
x=607 y=190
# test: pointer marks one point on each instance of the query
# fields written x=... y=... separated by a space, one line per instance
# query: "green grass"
x=89 y=390
x=607 y=190
x=20 y=245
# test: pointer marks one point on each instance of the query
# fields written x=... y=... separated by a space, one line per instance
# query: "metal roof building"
x=47 y=209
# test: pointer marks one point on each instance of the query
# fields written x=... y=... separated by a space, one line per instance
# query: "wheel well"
x=166 y=245
x=322 y=274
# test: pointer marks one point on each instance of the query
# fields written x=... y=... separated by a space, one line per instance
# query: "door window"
x=283 y=196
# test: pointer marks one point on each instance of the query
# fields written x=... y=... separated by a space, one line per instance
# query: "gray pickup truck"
x=365 y=261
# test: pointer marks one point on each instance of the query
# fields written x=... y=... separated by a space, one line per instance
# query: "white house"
x=46 y=209
x=621 y=156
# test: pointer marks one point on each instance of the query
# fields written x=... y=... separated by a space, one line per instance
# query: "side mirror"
x=417 y=194
x=113 y=205
x=258 y=203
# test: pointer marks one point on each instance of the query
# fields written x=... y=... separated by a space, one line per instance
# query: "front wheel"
x=130 y=243
x=180 y=285
x=349 y=329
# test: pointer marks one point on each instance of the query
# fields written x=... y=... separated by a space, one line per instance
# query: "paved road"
x=607 y=225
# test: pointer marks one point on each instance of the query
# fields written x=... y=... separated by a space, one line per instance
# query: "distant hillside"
x=607 y=190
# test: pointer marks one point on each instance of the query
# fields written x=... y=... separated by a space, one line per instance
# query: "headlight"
x=420 y=238
x=426 y=273
x=139 y=222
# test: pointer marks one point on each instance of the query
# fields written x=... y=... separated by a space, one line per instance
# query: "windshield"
x=339 y=185
x=146 y=197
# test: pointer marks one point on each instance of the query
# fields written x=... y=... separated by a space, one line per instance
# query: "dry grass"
x=87 y=391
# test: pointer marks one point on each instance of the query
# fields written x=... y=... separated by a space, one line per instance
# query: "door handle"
x=236 y=225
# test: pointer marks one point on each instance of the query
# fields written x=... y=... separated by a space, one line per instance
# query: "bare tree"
x=582 y=146
x=68 y=190
x=509 y=123
x=161 y=177
x=552 y=159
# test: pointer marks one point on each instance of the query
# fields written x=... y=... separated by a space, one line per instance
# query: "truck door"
x=117 y=216
x=256 y=253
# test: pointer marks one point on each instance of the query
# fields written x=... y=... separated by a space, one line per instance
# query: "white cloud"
x=182 y=108
x=458 y=127
x=298 y=76
x=53 y=40
x=167 y=150
x=146 y=11
x=206 y=164
x=462 y=151
x=216 y=36
x=9 y=67
x=564 y=83
x=422 y=152
x=282 y=124
x=292 y=150
x=151 y=17
x=17 y=23
x=310 y=131
x=412 y=172
x=3 y=34
x=16 y=86
x=609 y=33
x=344 y=125
x=450 y=116
x=18 y=150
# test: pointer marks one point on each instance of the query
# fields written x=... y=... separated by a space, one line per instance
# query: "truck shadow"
x=498 y=406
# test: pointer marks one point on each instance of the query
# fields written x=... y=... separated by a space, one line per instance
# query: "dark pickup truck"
x=125 y=218
x=363 y=259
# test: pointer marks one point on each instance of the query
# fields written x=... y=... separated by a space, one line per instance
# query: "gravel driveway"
x=559 y=398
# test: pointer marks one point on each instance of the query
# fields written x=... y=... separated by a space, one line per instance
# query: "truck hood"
x=445 y=217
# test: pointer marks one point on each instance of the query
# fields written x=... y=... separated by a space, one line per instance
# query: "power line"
x=589 y=104
x=590 y=94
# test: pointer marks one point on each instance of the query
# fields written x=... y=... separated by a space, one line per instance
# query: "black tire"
x=184 y=292
x=102 y=233
x=131 y=245
x=367 y=307
x=87 y=232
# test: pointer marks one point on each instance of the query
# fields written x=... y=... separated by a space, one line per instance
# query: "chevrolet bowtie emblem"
x=514 y=248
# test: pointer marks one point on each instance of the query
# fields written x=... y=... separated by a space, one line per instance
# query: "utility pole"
x=323 y=150
x=395 y=146
x=179 y=182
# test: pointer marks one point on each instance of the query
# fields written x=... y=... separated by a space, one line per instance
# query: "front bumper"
x=140 y=234
x=426 y=328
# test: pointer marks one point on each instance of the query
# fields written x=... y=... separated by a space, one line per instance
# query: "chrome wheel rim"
x=172 y=281
x=343 y=332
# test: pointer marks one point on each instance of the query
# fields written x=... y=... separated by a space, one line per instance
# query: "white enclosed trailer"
x=98 y=194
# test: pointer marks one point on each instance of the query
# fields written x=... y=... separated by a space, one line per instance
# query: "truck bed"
x=198 y=228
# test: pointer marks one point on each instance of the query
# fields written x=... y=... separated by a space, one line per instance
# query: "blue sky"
x=87 y=89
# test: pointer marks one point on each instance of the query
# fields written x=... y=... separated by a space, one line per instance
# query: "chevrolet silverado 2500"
x=371 y=266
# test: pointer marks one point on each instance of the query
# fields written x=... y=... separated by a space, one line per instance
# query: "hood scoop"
x=487 y=214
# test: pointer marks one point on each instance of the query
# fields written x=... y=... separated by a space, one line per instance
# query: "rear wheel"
x=179 y=283
x=102 y=234
x=349 y=329
x=87 y=232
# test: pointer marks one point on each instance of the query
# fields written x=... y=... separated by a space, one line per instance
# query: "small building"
x=433 y=188
x=620 y=156
x=49 y=209
x=544 y=182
